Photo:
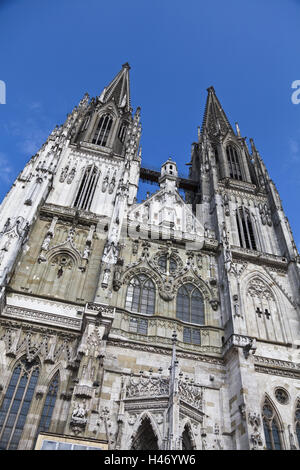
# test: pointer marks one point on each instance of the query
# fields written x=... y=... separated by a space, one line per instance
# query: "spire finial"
x=211 y=89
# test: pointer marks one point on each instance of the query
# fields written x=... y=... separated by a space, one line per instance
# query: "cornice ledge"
x=259 y=257
x=70 y=213
x=162 y=351
x=238 y=185
x=272 y=363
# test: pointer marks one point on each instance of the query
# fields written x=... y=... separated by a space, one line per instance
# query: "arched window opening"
x=145 y=439
x=49 y=404
x=102 y=131
x=16 y=403
x=190 y=306
x=86 y=123
x=87 y=188
x=141 y=295
x=245 y=229
x=122 y=132
x=186 y=440
x=271 y=428
x=233 y=163
x=167 y=264
x=297 y=422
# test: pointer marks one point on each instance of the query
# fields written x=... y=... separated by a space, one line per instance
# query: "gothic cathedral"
x=167 y=324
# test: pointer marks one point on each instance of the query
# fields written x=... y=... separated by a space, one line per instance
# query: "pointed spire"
x=118 y=89
x=215 y=121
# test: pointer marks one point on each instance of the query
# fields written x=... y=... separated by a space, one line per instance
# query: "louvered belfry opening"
x=102 y=131
x=87 y=188
x=245 y=229
x=233 y=163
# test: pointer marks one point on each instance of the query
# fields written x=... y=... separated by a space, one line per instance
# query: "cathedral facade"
x=167 y=324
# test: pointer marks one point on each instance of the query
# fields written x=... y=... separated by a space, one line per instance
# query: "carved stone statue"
x=78 y=418
x=46 y=242
x=63 y=174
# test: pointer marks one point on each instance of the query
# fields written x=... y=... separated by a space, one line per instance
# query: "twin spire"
x=119 y=90
x=215 y=121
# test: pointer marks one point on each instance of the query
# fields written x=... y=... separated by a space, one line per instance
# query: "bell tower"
x=258 y=260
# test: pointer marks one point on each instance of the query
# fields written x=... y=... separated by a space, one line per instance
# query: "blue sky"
x=52 y=52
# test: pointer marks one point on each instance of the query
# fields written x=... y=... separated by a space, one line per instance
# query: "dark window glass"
x=233 y=163
x=102 y=131
x=167 y=264
x=141 y=295
x=271 y=428
x=297 y=421
x=49 y=404
x=245 y=229
x=191 y=335
x=298 y=433
x=187 y=335
x=138 y=325
x=276 y=438
x=190 y=306
x=267 y=437
x=17 y=402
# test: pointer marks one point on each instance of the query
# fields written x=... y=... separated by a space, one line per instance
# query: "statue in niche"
x=64 y=173
x=46 y=242
x=86 y=252
x=117 y=278
x=79 y=412
x=78 y=418
x=105 y=182
x=106 y=276
x=71 y=175
x=112 y=184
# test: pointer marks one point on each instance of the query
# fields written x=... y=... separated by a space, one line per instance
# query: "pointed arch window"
x=233 y=163
x=145 y=438
x=141 y=295
x=86 y=123
x=87 y=188
x=167 y=264
x=102 y=130
x=273 y=433
x=297 y=422
x=187 y=440
x=122 y=132
x=49 y=404
x=245 y=229
x=190 y=305
x=16 y=403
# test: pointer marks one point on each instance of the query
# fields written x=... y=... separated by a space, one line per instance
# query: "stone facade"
x=169 y=324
